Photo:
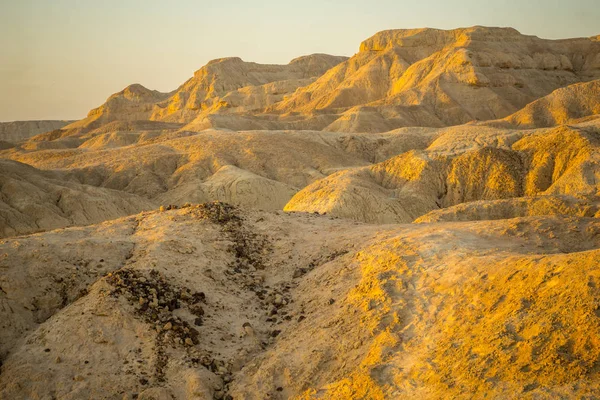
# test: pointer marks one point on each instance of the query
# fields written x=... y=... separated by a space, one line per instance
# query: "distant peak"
x=430 y=36
x=315 y=56
x=225 y=60
x=136 y=88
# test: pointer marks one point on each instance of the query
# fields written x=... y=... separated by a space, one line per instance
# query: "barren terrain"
x=420 y=220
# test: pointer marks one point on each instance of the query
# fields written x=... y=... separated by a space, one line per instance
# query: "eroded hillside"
x=333 y=228
x=211 y=301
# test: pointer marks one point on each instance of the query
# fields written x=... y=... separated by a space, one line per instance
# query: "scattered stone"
x=248 y=329
x=299 y=272
x=331 y=301
x=198 y=297
x=158 y=311
x=197 y=310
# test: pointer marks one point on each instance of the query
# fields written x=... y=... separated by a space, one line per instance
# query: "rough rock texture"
x=210 y=301
x=242 y=86
x=399 y=78
x=563 y=106
x=558 y=161
x=492 y=292
x=260 y=169
x=429 y=77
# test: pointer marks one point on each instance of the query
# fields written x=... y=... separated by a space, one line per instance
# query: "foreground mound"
x=210 y=302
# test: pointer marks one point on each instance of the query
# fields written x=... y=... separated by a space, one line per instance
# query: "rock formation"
x=215 y=302
x=420 y=220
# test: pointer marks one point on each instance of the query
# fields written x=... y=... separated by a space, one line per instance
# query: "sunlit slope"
x=259 y=169
x=398 y=78
x=563 y=106
x=227 y=84
x=301 y=306
x=558 y=161
x=429 y=77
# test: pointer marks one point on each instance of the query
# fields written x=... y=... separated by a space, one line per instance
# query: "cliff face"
x=429 y=77
x=210 y=86
x=421 y=77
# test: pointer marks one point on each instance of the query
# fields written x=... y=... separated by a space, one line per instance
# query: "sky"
x=60 y=58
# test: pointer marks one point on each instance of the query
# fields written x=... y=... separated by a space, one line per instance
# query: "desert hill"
x=254 y=169
x=211 y=301
x=396 y=176
x=333 y=228
x=32 y=200
x=429 y=77
x=399 y=78
x=557 y=161
x=222 y=83
x=563 y=106
x=17 y=131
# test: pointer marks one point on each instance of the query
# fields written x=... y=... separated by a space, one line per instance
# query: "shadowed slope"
x=32 y=200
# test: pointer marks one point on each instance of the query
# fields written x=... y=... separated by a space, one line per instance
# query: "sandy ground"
x=212 y=301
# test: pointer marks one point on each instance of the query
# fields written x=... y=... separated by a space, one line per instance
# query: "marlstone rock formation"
x=420 y=220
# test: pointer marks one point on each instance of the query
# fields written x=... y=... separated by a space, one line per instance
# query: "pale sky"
x=60 y=58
